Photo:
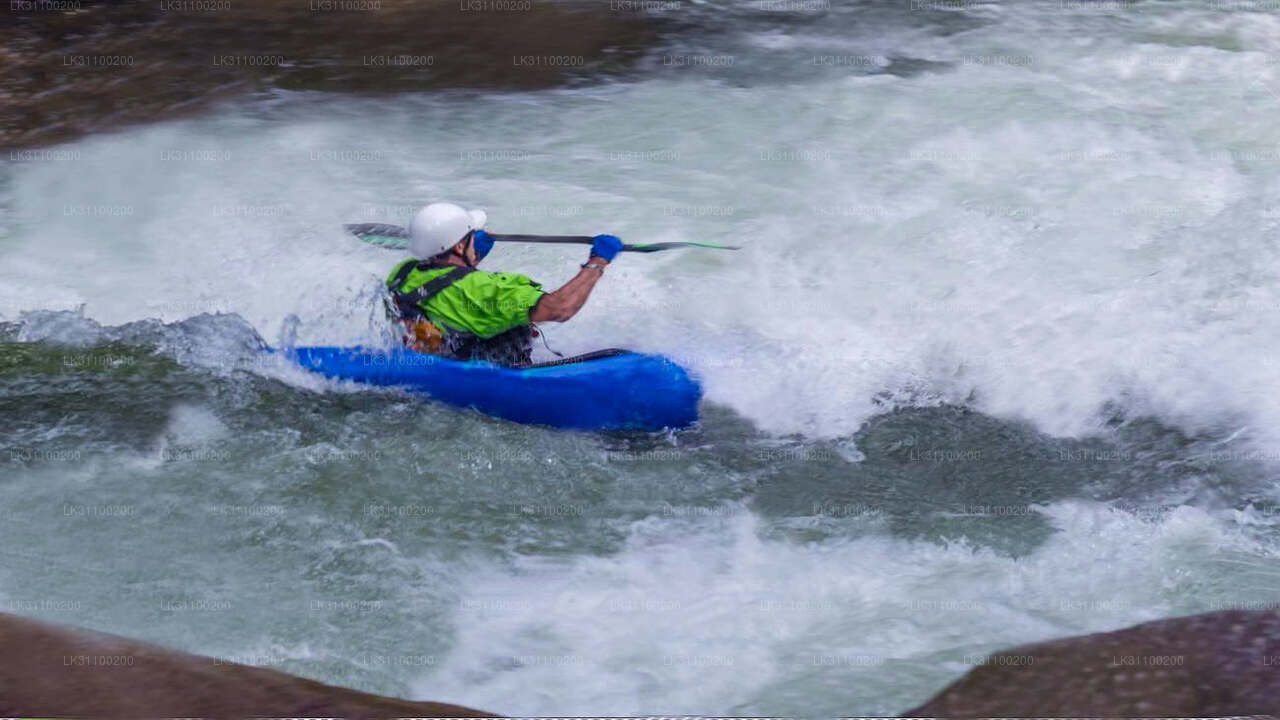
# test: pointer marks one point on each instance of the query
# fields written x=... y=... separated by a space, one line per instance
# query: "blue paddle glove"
x=482 y=242
x=605 y=247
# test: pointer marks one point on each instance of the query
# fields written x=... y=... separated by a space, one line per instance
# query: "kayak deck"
x=604 y=390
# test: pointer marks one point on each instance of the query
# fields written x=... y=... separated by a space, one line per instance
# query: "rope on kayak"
x=595 y=355
x=538 y=331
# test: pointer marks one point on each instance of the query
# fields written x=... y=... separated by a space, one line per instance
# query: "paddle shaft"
x=587 y=240
x=557 y=239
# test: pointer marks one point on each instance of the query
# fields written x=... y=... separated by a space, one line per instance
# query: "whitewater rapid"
x=1072 y=222
x=1059 y=216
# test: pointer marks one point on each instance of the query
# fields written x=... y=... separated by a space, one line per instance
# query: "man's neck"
x=452 y=259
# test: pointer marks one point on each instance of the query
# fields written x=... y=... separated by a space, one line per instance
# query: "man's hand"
x=605 y=247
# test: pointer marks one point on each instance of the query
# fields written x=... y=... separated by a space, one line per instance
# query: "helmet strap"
x=469 y=239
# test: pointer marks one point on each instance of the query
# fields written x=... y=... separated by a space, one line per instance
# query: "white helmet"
x=439 y=226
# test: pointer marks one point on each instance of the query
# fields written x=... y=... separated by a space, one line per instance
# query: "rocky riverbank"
x=1212 y=665
x=54 y=671
x=1216 y=664
x=76 y=66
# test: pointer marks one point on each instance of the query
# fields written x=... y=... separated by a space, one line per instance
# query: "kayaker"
x=448 y=307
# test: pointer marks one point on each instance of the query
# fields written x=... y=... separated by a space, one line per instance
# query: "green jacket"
x=482 y=303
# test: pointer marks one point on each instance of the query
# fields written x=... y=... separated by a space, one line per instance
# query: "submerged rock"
x=54 y=671
x=1216 y=664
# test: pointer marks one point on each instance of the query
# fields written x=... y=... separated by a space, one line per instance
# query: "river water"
x=995 y=365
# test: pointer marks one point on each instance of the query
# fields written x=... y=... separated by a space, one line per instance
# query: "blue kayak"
x=604 y=390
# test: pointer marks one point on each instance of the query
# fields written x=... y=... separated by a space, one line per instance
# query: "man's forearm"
x=565 y=302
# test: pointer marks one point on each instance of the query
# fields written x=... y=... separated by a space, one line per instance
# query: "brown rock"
x=53 y=671
x=1216 y=664
x=65 y=72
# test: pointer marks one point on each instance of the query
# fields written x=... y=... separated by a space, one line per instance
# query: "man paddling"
x=448 y=307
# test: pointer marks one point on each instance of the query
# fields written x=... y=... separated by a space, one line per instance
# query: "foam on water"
x=705 y=616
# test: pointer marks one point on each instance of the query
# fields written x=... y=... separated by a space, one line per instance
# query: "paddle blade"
x=380 y=234
x=655 y=247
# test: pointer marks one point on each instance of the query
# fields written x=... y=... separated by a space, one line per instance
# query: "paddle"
x=396 y=237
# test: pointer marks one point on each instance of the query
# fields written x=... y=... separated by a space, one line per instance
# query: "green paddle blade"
x=655 y=247
x=380 y=234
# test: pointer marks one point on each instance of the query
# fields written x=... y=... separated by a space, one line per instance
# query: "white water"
x=705 y=615
x=1034 y=239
